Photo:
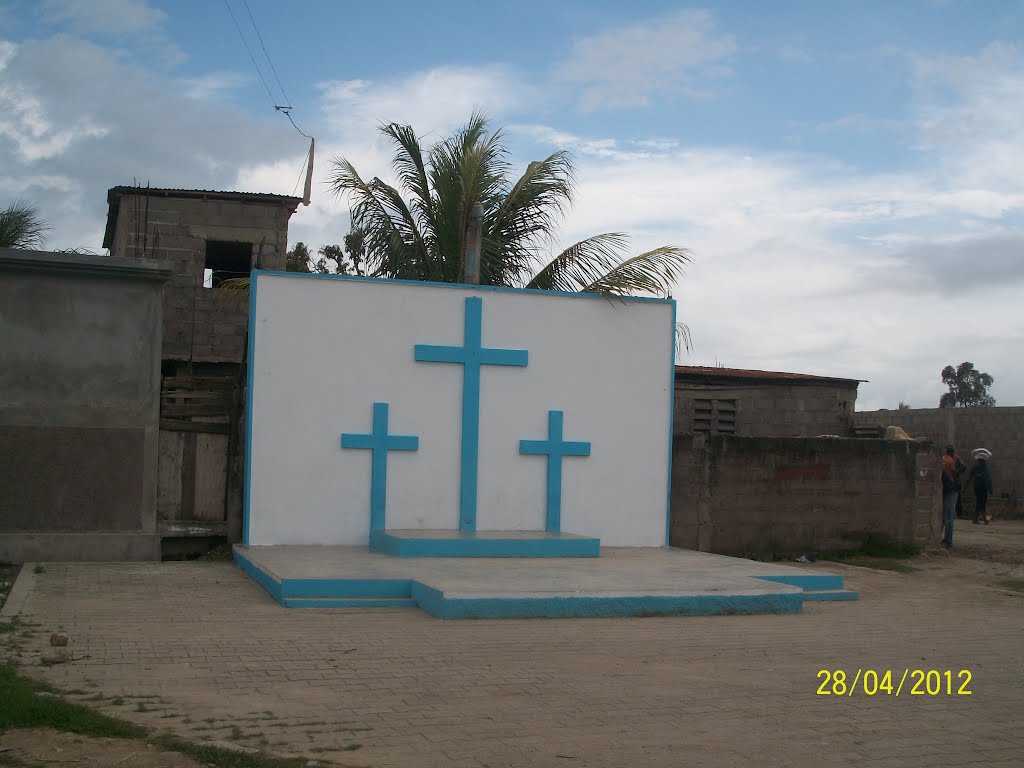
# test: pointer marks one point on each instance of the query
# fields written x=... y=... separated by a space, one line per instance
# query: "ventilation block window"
x=718 y=416
x=226 y=260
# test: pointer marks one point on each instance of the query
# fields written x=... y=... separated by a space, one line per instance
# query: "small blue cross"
x=380 y=442
x=554 y=448
x=471 y=356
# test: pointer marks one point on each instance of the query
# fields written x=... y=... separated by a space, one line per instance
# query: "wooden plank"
x=188 y=476
x=211 y=427
x=172 y=411
x=210 y=476
x=168 y=484
x=183 y=395
x=192 y=528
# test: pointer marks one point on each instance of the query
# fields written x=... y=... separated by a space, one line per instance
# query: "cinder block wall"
x=744 y=495
x=999 y=429
x=774 y=409
x=201 y=324
x=79 y=406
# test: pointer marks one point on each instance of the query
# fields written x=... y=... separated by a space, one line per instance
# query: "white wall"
x=326 y=349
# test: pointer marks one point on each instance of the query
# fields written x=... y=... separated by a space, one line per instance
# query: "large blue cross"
x=555 y=448
x=379 y=442
x=471 y=356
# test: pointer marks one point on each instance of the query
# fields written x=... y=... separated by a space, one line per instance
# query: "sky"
x=849 y=176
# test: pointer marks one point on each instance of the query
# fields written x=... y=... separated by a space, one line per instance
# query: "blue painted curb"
x=465 y=546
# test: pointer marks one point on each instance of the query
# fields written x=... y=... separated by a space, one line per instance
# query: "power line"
x=286 y=110
x=267 y=54
x=251 y=57
x=302 y=171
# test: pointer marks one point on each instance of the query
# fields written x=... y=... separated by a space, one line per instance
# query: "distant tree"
x=343 y=263
x=903 y=406
x=21 y=227
x=967 y=387
x=333 y=258
x=298 y=258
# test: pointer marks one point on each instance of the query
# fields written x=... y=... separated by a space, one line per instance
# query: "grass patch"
x=22 y=706
x=351 y=747
x=39 y=568
x=878 y=563
x=224 y=758
x=1016 y=585
x=873 y=550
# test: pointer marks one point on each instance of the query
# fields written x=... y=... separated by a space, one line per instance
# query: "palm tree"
x=418 y=230
x=21 y=227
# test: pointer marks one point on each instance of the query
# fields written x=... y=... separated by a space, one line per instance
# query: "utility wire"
x=251 y=57
x=302 y=171
x=284 y=109
x=267 y=54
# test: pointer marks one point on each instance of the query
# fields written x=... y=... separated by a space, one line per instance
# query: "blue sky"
x=847 y=174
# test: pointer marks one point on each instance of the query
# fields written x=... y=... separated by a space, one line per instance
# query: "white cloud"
x=110 y=17
x=66 y=135
x=214 y=85
x=971 y=112
x=628 y=66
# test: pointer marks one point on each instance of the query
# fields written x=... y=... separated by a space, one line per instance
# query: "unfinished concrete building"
x=208 y=238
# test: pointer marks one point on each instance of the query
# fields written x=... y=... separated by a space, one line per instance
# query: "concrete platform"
x=621 y=582
x=445 y=543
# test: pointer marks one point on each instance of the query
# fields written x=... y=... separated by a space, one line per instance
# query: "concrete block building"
x=207 y=238
x=748 y=403
x=79 y=406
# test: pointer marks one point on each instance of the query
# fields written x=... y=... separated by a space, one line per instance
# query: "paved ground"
x=212 y=656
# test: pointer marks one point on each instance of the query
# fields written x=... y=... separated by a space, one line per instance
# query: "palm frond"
x=411 y=169
x=393 y=244
x=21 y=227
x=683 y=339
x=582 y=263
x=654 y=272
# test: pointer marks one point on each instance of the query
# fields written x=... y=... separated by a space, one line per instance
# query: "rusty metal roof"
x=114 y=195
x=709 y=374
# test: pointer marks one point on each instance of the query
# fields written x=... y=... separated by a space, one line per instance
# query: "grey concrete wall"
x=769 y=409
x=1000 y=429
x=200 y=324
x=743 y=495
x=79 y=405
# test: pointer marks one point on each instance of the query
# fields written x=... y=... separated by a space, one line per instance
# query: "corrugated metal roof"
x=695 y=372
x=114 y=195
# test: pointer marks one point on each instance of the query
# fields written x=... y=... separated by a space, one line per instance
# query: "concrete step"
x=445 y=543
x=830 y=594
x=348 y=602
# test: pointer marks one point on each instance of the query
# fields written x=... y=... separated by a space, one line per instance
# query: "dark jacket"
x=981 y=475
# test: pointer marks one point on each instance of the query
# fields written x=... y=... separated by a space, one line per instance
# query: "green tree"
x=333 y=259
x=967 y=387
x=298 y=258
x=417 y=231
x=21 y=227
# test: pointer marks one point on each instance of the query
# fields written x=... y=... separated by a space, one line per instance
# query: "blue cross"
x=471 y=356
x=554 y=448
x=380 y=442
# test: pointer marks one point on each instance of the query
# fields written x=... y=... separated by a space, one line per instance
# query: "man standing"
x=950 y=493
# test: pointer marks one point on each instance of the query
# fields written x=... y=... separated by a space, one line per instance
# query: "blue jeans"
x=948 y=513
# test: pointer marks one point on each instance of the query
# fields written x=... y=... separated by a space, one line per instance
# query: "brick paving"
x=207 y=650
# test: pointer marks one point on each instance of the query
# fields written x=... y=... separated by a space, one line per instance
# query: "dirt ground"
x=198 y=651
x=46 y=747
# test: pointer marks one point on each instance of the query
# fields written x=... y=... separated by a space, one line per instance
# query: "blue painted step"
x=445 y=543
x=348 y=602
